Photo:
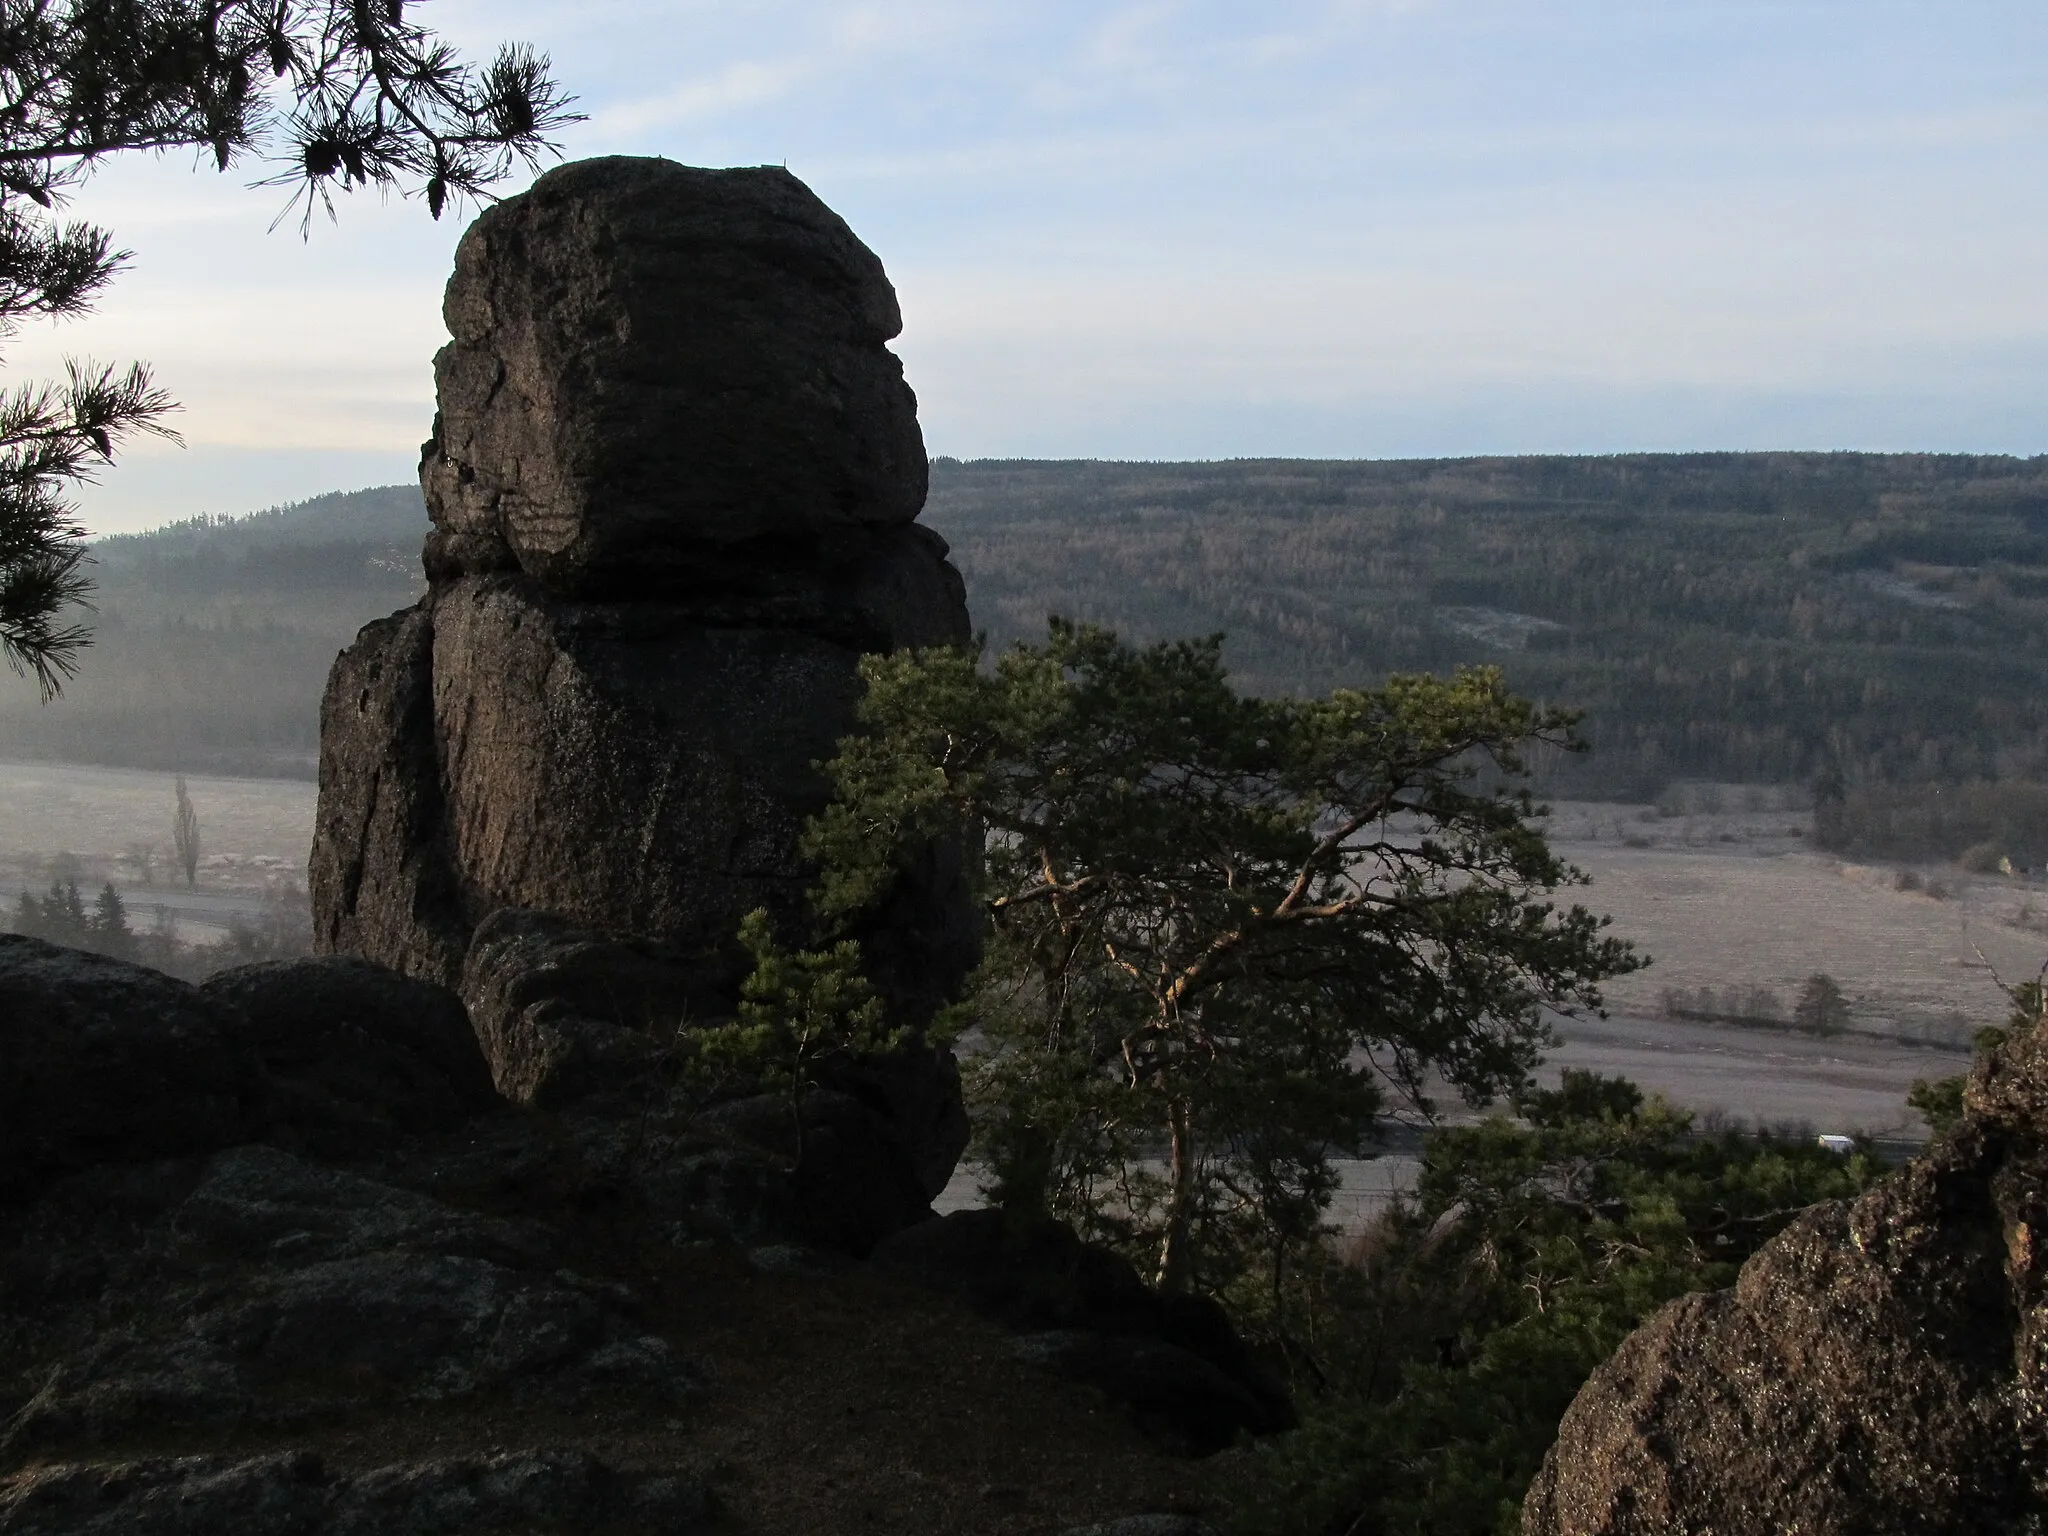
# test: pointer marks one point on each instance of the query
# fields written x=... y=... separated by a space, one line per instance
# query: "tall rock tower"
x=674 y=482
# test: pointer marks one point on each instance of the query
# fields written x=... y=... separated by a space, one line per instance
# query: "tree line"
x=1760 y=618
x=282 y=930
x=214 y=635
x=1763 y=618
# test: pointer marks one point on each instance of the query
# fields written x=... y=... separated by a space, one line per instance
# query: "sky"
x=1181 y=229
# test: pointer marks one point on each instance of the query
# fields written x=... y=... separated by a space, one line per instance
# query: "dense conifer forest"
x=1747 y=617
x=1872 y=623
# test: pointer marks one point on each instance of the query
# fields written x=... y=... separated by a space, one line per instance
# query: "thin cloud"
x=841 y=42
x=750 y=83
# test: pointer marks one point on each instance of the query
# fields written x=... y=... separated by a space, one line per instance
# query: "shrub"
x=1445 y=1356
x=1983 y=858
x=1821 y=1007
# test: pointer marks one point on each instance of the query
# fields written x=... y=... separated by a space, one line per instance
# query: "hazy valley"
x=1734 y=626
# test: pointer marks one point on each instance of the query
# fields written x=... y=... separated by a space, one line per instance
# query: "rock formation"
x=673 y=480
x=99 y=1059
x=276 y=1253
x=1878 y=1367
x=273 y=1258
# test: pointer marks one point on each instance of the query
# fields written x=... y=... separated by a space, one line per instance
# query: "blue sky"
x=1205 y=230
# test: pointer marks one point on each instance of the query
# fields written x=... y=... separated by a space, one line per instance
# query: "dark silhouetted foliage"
x=1221 y=928
x=330 y=94
x=1435 y=1359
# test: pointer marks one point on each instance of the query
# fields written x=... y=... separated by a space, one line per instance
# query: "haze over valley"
x=1135 y=769
x=1740 y=629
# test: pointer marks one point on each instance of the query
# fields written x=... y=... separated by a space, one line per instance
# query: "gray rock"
x=382 y=883
x=695 y=1190
x=627 y=781
x=1875 y=1369
x=673 y=483
x=1147 y=1525
x=356 y=1054
x=731 y=1174
x=274 y=1290
x=794 y=1259
x=628 y=768
x=262 y=1203
x=296 y=1493
x=658 y=372
x=432 y=1325
x=916 y=1094
x=101 y=1060
x=1029 y=1276
x=852 y=1180
x=563 y=1014
x=636 y=781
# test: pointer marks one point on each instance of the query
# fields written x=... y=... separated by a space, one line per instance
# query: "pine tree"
x=59 y=917
x=108 y=924
x=1821 y=1007
x=1222 y=928
x=332 y=94
x=185 y=834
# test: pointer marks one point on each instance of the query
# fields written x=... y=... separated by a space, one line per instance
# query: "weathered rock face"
x=100 y=1060
x=354 y=1055
x=562 y=1014
x=1878 y=1367
x=655 y=367
x=673 y=482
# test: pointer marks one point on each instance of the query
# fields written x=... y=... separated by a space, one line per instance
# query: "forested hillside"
x=214 y=636
x=1730 y=616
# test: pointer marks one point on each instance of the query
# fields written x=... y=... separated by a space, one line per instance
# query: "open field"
x=1770 y=1079
x=1738 y=899
x=1791 y=1083
x=1718 y=898
x=93 y=824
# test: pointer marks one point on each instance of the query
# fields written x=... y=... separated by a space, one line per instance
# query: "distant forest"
x=1860 y=620
x=214 y=635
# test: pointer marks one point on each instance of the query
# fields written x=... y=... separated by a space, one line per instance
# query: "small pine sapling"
x=800 y=1010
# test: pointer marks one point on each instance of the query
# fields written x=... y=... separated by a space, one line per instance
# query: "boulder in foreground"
x=355 y=1055
x=1876 y=1369
x=102 y=1060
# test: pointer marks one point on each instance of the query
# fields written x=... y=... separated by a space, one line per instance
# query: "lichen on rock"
x=1877 y=1368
